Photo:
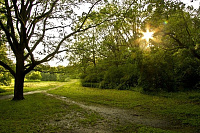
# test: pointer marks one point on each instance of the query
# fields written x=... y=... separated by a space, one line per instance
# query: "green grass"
x=30 y=115
x=41 y=113
x=30 y=86
x=130 y=128
x=152 y=130
x=183 y=106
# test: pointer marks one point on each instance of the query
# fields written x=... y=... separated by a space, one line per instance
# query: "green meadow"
x=30 y=86
x=43 y=113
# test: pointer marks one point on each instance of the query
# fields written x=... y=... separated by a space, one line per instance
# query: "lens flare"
x=165 y=22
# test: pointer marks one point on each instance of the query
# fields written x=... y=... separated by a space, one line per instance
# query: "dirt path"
x=123 y=115
x=28 y=93
x=113 y=116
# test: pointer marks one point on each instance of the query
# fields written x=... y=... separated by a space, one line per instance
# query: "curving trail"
x=123 y=115
x=111 y=115
x=30 y=92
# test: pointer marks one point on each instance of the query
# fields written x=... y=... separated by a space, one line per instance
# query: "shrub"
x=49 y=77
x=34 y=76
x=112 y=78
x=156 y=73
x=187 y=70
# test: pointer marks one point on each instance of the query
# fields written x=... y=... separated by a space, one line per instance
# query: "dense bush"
x=155 y=71
x=112 y=77
x=2 y=90
x=49 y=77
x=34 y=76
x=62 y=77
x=187 y=71
x=93 y=78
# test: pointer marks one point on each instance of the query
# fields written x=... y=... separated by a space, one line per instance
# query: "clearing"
x=91 y=110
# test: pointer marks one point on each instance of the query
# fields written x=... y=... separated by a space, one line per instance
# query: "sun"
x=147 y=35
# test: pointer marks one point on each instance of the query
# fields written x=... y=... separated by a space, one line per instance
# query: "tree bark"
x=18 y=88
x=19 y=78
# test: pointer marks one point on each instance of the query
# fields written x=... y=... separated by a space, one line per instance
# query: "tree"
x=31 y=24
x=114 y=42
x=176 y=30
x=177 y=26
x=125 y=60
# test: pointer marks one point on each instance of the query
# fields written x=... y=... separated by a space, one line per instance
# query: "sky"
x=195 y=3
x=54 y=62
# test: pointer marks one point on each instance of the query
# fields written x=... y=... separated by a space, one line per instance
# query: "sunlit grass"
x=30 y=115
x=182 y=106
x=38 y=110
x=109 y=97
x=30 y=86
x=41 y=113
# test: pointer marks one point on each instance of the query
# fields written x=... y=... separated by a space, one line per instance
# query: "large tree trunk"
x=18 y=88
x=19 y=79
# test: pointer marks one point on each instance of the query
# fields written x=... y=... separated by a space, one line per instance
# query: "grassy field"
x=42 y=113
x=183 y=107
x=30 y=86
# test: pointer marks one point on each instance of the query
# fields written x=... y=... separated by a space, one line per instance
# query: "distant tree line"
x=44 y=73
x=48 y=73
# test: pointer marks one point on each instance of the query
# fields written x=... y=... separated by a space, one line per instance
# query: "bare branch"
x=57 y=27
x=88 y=14
x=30 y=51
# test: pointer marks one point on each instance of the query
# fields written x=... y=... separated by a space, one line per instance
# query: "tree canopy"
x=167 y=60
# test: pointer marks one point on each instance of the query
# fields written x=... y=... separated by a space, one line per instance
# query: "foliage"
x=59 y=73
x=49 y=77
x=167 y=62
x=5 y=76
x=157 y=72
x=34 y=76
x=2 y=90
x=187 y=70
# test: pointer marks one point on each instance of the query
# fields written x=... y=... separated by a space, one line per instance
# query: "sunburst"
x=147 y=35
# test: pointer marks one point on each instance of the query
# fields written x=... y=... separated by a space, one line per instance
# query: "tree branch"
x=8 y=68
x=30 y=51
x=9 y=36
x=176 y=39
